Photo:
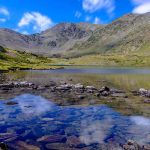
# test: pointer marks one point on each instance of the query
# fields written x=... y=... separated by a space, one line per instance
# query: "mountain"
x=128 y=34
x=58 y=38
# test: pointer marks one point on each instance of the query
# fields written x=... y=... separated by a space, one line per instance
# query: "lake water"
x=44 y=124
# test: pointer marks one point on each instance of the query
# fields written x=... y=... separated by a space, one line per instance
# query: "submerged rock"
x=16 y=84
x=52 y=138
x=21 y=145
x=146 y=147
x=104 y=91
x=78 y=86
x=90 y=88
x=74 y=141
x=64 y=87
x=131 y=145
x=8 y=136
x=80 y=96
x=3 y=146
x=144 y=92
x=11 y=103
x=105 y=88
x=58 y=146
x=147 y=101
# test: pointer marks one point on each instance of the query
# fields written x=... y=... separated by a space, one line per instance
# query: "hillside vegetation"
x=124 y=42
x=128 y=34
x=15 y=60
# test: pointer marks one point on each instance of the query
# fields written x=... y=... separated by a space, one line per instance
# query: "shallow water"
x=122 y=78
x=34 y=117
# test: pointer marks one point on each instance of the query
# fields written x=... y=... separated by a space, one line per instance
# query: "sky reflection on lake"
x=91 y=124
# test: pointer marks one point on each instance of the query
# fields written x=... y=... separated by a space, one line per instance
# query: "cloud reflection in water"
x=92 y=124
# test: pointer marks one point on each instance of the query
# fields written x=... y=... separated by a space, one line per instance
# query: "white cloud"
x=25 y=32
x=3 y=20
x=140 y=1
x=141 y=6
x=94 y=5
x=4 y=11
x=144 y=8
x=78 y=14
x=87 y=18
x=37 y=20
x=97 y=20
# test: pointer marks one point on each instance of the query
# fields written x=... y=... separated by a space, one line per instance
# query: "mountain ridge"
x=130 y=32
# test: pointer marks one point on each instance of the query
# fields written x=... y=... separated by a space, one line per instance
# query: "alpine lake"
x=48 y=118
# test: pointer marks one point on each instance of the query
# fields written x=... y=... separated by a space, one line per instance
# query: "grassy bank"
x=14 y=60
x=111 y=60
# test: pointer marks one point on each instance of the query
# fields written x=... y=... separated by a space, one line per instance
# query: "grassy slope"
x=140 y=58
x=13 y=60
x=126 y=60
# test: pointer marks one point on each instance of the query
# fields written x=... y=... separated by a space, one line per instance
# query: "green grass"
x=124 y=60
x=14 y=60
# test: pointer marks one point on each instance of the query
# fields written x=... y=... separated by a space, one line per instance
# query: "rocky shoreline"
x=78 y=91
x=68 y=93
x=59 y=142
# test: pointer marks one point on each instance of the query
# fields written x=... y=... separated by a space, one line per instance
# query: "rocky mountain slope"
x=130 y=33
x=58 y=38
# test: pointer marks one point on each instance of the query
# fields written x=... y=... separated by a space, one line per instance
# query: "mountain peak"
x=127 y=33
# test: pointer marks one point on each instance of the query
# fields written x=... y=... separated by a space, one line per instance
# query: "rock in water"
x=20 y=145
x=52 y=138
x=74 y=141
x=3 y=146
x=146 y=147
x=78 y=86
x=131 y=145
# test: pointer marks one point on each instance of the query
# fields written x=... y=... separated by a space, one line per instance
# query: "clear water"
x=98 y=70
x=34 y=117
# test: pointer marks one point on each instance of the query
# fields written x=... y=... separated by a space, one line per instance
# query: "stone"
x=90 y=87
x=74 y=141
x=34 y=87
x=105 y=88
x=7 y=136
x=142 y=91
x=41 y=88
x=131 y=145
x=90 y=91
x=52 y=138
x=58 y=146
x=97 y=94
x=147 y=101
x=146 y=147
x=3 y=146
x=148 y=93
x=24 y=146
x=52 y=83
x=78 y=86
x=80 y=96
x=11 y=103
x=105 y=93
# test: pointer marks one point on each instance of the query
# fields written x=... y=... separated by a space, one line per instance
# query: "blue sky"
x=32 y=16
